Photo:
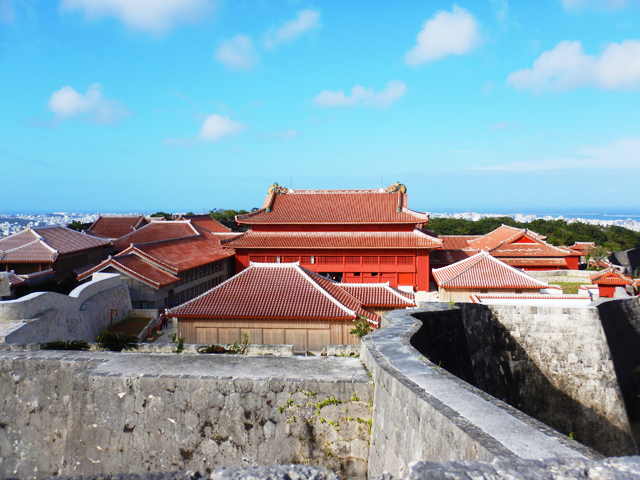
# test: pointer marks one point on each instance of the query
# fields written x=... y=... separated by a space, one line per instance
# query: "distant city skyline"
x=488 y=105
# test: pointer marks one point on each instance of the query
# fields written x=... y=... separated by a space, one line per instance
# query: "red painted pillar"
x=422 y=270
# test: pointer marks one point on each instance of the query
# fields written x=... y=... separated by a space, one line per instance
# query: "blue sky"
x=177 y=105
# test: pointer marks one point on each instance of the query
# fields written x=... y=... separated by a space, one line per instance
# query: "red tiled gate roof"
x=611 y=276
x=379 y=295
x=113 y=227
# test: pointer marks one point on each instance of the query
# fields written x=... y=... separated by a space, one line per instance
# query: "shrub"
x=213 y=348
x=361 y=327
x=117 y=342
x=67 y=345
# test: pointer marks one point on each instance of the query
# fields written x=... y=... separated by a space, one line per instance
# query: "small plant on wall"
x=360 y=327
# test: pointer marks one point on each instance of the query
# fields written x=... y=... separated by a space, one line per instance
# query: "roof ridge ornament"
x=277 y=189
x=396 y=187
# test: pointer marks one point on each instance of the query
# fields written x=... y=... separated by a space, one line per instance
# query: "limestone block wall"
x=422 y=412
x=89 y=413
x=47 y=316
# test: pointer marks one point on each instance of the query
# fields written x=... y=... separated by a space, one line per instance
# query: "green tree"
x=166 y=216
x=78 y=226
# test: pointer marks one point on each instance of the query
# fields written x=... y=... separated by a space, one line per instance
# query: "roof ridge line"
x=473 y=264
x=324 y=292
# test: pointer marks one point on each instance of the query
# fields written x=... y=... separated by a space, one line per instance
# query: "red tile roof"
x=270 y=291
x=479 y=297
x=334 y=240
x=113 y=226
x=611 y=276
x=484 y=271
x=136 y=267
x=14 y=280
x=334 y=207
x=555 y=263
x=205 y=221
x=379 y=295
x=457 y=242
x=506 y=241
x=157 y=231
x=447 y=257
x=42 y=245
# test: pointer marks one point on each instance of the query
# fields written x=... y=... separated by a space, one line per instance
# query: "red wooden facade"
x=354 y=236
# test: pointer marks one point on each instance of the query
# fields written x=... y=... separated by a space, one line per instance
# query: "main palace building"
x=354 y=236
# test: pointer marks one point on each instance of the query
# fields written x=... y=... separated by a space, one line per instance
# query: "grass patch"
x=569 y=288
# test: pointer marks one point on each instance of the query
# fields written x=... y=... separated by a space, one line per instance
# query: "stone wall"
x=47 y=316
x=423 y=412
x=553 y=363
x=108 y=413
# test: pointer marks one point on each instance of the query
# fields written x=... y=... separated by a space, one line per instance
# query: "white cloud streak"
x=305 y=21
x=621 y=155
x=580 y=5
x=567 y=67
x=237 y=53
x=362 y=96
x=91 y=107
x=153 y=16
x=447 y=33
x=216 y=127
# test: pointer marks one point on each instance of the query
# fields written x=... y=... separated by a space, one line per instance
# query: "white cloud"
x=91 y=107
x=447 y=33
x=7 y=12
x=237 y=53
x=501 y=10
x=580 y=5
x=216 y=127
x=305 y=21
x=155 y=16
x=362 y=96
x=567 y=67
x=621 y=155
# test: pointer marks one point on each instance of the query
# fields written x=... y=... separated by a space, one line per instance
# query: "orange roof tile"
x=457 y=242
x=379 y=295
x=334 y=207
x=65 y=240
x=334 y=240
x=157 y=231
x=506 y=241
x=555 y=263
x=135 y=266
x=115 y=226
x=205 y=221
x=34 y=252
x=268 y=291
x=611 y=276
x=484 y=271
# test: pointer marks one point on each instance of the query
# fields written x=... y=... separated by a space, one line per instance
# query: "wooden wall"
x=312 y=335
x=460 y=295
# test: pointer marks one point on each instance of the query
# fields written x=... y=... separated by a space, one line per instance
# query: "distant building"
x=352 y=236
x=608 y=280
x=116 y=226
x=166 y=263
x=483 y=274
x=284 y=303
x=58 y=252
x=518 y=247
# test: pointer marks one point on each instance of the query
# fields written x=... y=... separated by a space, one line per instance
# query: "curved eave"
x=259 y=317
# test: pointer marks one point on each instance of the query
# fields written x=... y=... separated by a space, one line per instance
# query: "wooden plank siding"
x=303 y=335
x=460 y=295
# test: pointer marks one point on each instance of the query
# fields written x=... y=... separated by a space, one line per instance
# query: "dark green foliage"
x=236 y=348
x=212 y=349
x=76 y=225
x=67 y=345
x=180 y=346
x=166 y=216
x=558 y=232
x=116 y=342
x=228 y=218
x=361 y=327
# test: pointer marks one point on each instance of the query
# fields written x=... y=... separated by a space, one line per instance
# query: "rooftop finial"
x=396 y=187
x=277 y=189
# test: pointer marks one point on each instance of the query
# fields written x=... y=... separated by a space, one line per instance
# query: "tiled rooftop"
x=114 y=227
x=611 y=276
x=45 y=244
x=558 y=263
x=334 y=207
x=484 y=271
x=379 y=295
x=282 y=291
x=137 y=267
x=205 y=221
x=457 y=242
x=157 y=231
x=335 y=240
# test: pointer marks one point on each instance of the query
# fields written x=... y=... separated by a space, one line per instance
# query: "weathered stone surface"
x=276 y=472
x=107 y=413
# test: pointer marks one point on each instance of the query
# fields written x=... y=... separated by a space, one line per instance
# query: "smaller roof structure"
x=506 y=241
x=115 y=226
x=530 y=299
x=45 y=244
x=157 y=231
x=612 y=277
x=482 y=271
x=583 y=247
x=208 y=223
x=276 y=291
x=379 y=295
